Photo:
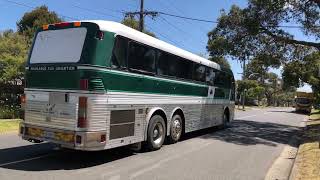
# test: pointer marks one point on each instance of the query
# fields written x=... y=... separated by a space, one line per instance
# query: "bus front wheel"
x=156 y=132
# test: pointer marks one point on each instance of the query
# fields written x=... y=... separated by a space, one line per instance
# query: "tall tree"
x=258 y=30
x=296 y=73
x=13 y=52
x=221 y=60
x=133 y=23
x=33 y=20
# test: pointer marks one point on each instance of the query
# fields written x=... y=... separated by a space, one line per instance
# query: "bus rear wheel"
x=226 y=122
x=156 y=132
x=175 y=129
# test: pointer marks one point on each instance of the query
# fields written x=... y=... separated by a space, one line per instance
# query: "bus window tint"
x=220 y=80
x=163 y=61
x=199 y=73
x=210 y=76
x=119 y=53
x=172 y=65
x=184 y=68
x=141 y=58
x=219 y=93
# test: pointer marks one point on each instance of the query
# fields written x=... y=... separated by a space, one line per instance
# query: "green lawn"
x=309 y=151
x=9 y=125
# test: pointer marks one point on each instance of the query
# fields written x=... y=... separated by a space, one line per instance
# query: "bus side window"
x=210 y=76
x=219 y=93
x=119 y=55
x=220 y=79
x=199 y=72
x=141 y=58
x=163 y=61
x=184 y=68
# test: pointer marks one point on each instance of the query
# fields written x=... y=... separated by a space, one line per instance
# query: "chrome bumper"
x=81 y=140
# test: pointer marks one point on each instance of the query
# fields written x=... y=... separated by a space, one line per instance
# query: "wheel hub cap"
x=176 y=128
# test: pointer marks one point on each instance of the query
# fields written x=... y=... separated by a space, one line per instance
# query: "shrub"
x=9 y=112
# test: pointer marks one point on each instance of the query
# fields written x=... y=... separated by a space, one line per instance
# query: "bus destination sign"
x=53 y=68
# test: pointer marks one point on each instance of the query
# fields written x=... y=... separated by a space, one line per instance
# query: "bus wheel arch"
x=155 y=111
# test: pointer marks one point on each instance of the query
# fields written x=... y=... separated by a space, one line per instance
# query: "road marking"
x=246 y=117
x=267 y=112
x=25 y=160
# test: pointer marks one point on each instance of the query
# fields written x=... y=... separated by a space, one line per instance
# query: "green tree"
x=220 y=60
x=133 y=23
x=296 y=73
x=13 y=52
x=256 y=33
x=256 y=93
x=33 y=20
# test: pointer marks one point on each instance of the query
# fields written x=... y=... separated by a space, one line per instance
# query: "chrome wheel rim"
x=176 y=129
x=158 y=133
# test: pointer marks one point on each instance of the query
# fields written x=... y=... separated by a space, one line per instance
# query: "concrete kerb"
x=283 y=167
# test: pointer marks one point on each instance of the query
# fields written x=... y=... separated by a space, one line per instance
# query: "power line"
x=183 y=13
x=97 y=12
x=165 y=36
x=216 y=22
x=189 y=18
x=177 y=28
x=32 y=7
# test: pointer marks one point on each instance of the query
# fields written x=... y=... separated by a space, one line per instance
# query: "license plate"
x=48 y=134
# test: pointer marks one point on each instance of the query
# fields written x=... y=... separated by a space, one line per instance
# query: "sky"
x=186 y=34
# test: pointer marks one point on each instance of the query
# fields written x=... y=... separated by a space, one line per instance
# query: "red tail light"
x=83 y=84
x=62 y=24
x=100 y=35
x=23 y=99
x=103 y=138
x=82 y=112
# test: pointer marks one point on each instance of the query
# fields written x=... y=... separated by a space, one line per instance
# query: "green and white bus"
x=94 y=85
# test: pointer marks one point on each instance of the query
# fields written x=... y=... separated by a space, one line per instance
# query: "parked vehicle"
x=303 y=102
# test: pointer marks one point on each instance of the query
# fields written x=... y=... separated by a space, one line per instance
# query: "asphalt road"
x=244 y=151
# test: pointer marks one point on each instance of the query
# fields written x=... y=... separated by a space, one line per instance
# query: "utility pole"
x=142 y=13
x=141 y=22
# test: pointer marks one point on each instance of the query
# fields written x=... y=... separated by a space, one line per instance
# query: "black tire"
x=175 y=129
x=156 y=133
x=225 y=121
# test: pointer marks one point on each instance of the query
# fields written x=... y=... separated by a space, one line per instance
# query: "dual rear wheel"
x=157 y=131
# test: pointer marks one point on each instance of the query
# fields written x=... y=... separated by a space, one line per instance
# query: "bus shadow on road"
x=244 y=132
x=51 y=159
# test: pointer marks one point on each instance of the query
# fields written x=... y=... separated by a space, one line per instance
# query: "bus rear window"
x=58 y=46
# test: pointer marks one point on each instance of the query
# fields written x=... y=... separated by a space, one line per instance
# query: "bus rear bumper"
x=78 y=140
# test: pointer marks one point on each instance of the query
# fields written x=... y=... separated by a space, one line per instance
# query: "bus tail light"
x=84 y=84
x=82 y=112
x=23 y=105
x=62 y=24
x=23 y=99
x=100 y=35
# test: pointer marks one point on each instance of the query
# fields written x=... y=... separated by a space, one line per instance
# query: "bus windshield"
x=303 y=100
x=58 y=46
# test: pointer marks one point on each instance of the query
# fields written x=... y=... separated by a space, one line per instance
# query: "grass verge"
x=9 y=125
x=308 y=157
